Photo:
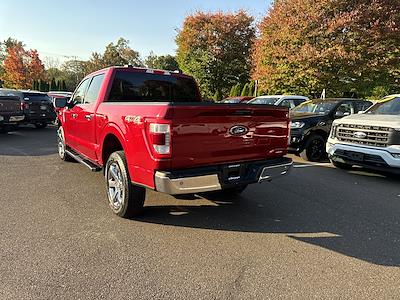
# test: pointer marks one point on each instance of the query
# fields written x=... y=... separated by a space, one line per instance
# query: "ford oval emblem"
x=238 y=130
x=360 y=135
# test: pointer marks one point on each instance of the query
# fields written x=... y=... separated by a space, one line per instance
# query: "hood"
x=305 y=116
x=392 y=121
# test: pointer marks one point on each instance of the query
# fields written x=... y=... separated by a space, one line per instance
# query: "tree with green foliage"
x=232 y=93
x=217 y=95
x=215 y=49
x=245 y=91
x=342 y=46
x=162 y=62
x=53 y=85
x=63 y=86
x=117 y=54
x=252 y=87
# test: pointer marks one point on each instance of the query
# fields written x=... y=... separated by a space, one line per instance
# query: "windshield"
x=262 y=100
x=322 y=107
x=391 y=107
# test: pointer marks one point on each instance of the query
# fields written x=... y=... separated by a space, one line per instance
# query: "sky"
x=63 y=29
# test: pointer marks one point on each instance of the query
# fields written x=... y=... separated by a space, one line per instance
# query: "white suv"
x=370 y=139
x=290 y=101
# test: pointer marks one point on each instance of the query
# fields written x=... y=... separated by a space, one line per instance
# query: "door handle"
x=88 y=117
x=74 y=116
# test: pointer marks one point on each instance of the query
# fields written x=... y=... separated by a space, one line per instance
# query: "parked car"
x=241 y=99
x=371 y=139
x=290 y=101
x=10 y=112
x=150 y=129
x=57 y=110
x=312 y=121
x=37 y=106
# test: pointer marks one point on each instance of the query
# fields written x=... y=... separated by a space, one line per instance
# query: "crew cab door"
x=71 y=114
x=83 y=119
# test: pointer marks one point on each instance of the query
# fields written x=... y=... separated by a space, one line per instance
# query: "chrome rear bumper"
x=165 y=182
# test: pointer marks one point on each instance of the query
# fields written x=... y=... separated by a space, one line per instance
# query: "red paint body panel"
x=200 y=133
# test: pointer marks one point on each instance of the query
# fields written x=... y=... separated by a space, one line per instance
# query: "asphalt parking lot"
x=318 y=233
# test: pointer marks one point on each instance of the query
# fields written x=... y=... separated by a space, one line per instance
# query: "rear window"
x=147 y=87
x=36 y=97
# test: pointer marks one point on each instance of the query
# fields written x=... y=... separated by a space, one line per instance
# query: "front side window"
x=79 y=94
x=287 y=103
x=94 y=89
x=148 y=87
x=320 y=107
x=344 y=109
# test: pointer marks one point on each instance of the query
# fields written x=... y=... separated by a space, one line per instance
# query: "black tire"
x=342 y=166
x=62 y=146
x=40 y=125
x=125 y=199
x=315 y=149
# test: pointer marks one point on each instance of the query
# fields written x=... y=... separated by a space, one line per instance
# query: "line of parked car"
x=347 y=131
x=22 y=107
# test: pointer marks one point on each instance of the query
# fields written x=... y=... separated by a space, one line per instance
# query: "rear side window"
x=94 y=89
x=147 y=87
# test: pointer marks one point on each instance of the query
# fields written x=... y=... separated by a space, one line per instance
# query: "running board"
x=92 y=166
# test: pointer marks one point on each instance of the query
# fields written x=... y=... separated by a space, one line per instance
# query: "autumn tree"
x=161 y=62
x=343 y=46
x=215 y=49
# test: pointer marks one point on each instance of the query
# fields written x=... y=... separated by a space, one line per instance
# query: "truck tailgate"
x=218 y=134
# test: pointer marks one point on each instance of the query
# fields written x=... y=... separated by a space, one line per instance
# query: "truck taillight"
x=160 y=138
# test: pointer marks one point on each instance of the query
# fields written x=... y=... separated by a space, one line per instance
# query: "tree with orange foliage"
x=15 y=69
x=21 y=68
x=35 y=67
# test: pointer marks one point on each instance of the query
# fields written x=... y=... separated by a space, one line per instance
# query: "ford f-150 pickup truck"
x=10 y=112
x=370 y=139
x=150 y=129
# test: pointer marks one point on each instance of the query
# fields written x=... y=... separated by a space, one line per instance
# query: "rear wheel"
x=315 y=148
x=40 y=125
x=125 y=199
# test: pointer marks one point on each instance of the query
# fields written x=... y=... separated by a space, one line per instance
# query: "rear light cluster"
x=24 y=105
x=160 y=138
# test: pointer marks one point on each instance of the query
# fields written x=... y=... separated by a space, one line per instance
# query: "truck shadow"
x=29 y=141
x=354 y=215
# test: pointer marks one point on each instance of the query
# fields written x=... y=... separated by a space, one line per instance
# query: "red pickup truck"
x=150 y=129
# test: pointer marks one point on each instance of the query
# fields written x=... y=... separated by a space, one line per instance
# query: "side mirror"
x=60 y=102
x=339 y=114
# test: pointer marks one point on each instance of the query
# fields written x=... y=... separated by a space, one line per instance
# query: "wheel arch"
x=112 y=141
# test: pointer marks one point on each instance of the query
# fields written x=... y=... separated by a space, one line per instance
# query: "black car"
x=37 y=106
x=312 y=121
x=10 y=113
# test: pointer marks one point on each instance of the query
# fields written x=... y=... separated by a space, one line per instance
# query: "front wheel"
x=62 y=146
x=315 y=149
x=125 y=199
